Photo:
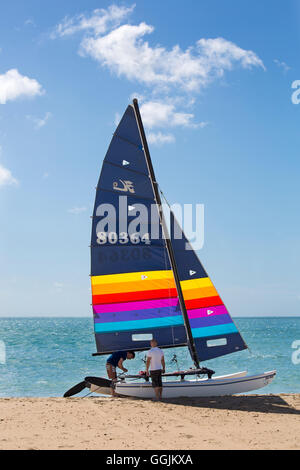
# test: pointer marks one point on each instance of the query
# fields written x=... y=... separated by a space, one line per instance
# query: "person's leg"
x=111 y=372
x=156 y=390
x=155 y=383
x=160 y=387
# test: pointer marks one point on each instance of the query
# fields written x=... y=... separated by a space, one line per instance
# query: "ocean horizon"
x=45 y=356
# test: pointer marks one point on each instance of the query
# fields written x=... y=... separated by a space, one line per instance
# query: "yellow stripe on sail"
x=131 y=277
x=196 y=283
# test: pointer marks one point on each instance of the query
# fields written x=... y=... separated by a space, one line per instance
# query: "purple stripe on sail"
x=207 y=312
x=141 y=305
x=149 y=313
x=203 y=322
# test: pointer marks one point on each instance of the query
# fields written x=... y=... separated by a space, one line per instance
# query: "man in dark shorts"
x=116 y=360
x=156 y=362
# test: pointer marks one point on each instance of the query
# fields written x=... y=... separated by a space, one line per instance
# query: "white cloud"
x=13 y=85
x=125 y=52
x=6 y=177
x=282 y=65
x=98 y=23
x=77 y=210
x=157 y=114
x=123 y=49
x=159 y=138
x=40 y=122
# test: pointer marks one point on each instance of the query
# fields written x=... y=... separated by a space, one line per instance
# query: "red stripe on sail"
x=134 y=296
x=206 y=302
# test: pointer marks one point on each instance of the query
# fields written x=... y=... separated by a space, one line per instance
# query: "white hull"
x=218 y=386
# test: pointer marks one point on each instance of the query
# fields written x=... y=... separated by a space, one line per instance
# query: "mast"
x=191 y=343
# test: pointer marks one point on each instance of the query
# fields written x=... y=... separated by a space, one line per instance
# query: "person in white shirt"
x=156 y=362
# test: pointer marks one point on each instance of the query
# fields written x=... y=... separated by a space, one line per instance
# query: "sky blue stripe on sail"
x=214 y=330
x=138 y=324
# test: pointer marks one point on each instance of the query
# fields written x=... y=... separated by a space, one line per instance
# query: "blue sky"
x=227 y=135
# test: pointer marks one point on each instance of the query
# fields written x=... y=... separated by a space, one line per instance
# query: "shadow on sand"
x=255 y=403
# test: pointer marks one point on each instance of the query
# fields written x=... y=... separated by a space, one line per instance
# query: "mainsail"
x=146 y=286
x=133 y=288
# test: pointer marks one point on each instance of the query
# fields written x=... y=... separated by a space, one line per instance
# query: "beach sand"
x=238 y=422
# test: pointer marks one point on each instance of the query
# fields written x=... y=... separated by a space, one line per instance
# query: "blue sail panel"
x=128 y=129
x=127 y=259
x=126 y=155
x=166 y=337
x=124 y=182
x=120 y=218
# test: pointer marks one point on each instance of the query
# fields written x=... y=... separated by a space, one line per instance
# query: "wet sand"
x=238 y=422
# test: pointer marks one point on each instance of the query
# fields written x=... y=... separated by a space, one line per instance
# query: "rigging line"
x=161 y=192
x=139 y=147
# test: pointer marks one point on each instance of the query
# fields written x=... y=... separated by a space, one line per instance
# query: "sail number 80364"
x=123 y=238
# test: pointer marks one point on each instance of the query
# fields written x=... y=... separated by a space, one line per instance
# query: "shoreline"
x=232 y=422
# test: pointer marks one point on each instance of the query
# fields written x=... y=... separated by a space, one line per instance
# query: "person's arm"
x=120 y=365
x=148 y=365
x=163 y=364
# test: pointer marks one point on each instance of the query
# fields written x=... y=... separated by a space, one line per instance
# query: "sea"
x=44 y=357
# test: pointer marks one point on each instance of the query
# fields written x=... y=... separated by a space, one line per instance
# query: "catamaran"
x=148 y=283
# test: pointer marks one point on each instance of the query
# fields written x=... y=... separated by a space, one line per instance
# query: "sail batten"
x=133 y=196
x=127 y=169
x=128 y=141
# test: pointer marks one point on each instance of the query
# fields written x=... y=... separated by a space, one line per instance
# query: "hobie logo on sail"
x=127 y=186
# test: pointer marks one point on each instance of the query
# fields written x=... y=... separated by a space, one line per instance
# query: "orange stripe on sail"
x=137 y=286
x=190 y=294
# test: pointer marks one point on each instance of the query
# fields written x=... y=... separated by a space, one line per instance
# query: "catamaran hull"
x=219 y=386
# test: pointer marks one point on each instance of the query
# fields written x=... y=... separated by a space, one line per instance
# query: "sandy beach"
x=239 y=422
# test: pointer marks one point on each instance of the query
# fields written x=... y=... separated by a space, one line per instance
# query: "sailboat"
x=148 y=285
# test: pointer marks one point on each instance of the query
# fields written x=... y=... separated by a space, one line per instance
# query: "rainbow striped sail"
x=146 y=285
